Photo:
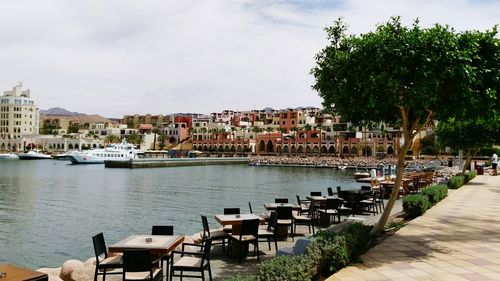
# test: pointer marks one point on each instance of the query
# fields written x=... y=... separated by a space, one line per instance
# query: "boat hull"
x=84 y=159
x=8 y=156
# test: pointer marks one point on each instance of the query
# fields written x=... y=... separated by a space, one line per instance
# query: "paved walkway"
x=458 y=239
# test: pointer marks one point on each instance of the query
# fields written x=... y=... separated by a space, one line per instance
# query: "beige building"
x=19 y=118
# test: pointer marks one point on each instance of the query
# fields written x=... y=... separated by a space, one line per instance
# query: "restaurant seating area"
x=238 y=237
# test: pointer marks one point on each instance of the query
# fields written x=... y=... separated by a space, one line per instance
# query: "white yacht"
x=8 y=155
x=34 y=154
x=119 y=151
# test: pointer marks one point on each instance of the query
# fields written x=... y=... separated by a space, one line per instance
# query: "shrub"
x=335 y=253
x=358 y=240
x=242 y=278
x=433 y=194
x=443 y=190
x=284 y=268
x=456 y=182
x=415 y=205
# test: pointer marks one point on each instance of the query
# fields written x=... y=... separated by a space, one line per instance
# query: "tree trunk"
x=379 y=227
x=467 y=161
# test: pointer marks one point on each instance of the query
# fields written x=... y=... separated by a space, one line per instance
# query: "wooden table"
x=160 y=244
x=15 y=273
x=236 y=219
x=274 y=206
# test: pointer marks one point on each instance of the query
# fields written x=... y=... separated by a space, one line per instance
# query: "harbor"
x=174 y=162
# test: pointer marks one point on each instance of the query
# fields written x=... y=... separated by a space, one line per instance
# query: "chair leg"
x=95 y=274
x=257 y=246
x=209 y=272
x=269 y=243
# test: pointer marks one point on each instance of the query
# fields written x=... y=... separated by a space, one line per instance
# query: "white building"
x=19 y=118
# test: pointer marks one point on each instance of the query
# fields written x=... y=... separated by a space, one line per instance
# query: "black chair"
x=330 y=191
x=231 y=211
x=270 y=231
x=103 y=261
x=285 y=217
x=190 y=261
x=281 y=200
x=213 y=235
x=138 y=265
x=339 y=192
x=301 y=219
x=304 y=205
x=163 y=230
x=248 y=234
x=250 y=207
x=331 y=209
x=315 y=193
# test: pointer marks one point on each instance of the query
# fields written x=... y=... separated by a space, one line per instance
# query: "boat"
x=34 y=154
x=64 y=156
x=8 y=155
x=117 y=151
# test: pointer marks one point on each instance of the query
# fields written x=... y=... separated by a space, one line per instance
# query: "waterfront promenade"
x=458 y=239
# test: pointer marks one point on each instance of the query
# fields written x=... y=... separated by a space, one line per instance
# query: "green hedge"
x=469 y=176
x=443 y=189
x=415 y=205
x=328 y=253
x=433 y=194
x=456 y=182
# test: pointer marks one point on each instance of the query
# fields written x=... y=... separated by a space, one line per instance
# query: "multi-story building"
x=19 y=117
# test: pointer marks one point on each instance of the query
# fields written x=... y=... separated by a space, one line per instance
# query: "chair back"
x=250 y=227
x=315 y=193
x=250 y=207
x=99 y=246
x=207 y=246
x=298 y=200
x=162 y=230
x=284 y=212
x=273 y=220
x=300 y=247
x=332 y=204
x=137 y=260
x=281 y=200
x=231 y=211
x=366 y=187
x=339 y=190
x=206 y=229
x=330 y=191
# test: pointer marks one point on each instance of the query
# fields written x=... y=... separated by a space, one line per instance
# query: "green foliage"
x=443 y=190
x=456 y=182
x=428 y=146
x=469 y=176
x=283 y=268
x=334 y=251
x=488 y=151
x=469 y=134
x=415 y=205
x=358 y=239
x=242 y=278
x=433 y=194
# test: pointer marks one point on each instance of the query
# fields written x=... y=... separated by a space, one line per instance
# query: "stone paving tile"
x=458 y=239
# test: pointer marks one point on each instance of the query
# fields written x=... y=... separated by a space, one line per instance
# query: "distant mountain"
x=60 y=112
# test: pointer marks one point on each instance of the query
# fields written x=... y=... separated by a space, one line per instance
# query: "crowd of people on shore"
x=333 y=162
x=336 y=162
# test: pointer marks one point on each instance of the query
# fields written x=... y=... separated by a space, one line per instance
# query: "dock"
x=174 y=162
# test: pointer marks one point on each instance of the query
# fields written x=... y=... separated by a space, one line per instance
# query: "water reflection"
x=49 y=210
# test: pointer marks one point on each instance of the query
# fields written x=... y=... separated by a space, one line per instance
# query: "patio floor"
x=458 y=239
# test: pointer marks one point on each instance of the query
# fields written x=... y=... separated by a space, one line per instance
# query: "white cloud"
x=121 y=57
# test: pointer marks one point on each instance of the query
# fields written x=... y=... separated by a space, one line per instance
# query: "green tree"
x=111 y=139
x=407 y=76
x=134 y=138
x=468 y=135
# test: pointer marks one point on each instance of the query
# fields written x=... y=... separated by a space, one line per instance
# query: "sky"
x=118 y=57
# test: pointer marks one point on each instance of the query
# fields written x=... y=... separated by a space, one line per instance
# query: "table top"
x=15 y=273
x=236 y=219
x=321 y=198
x=274 y=206
x=159 y=243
